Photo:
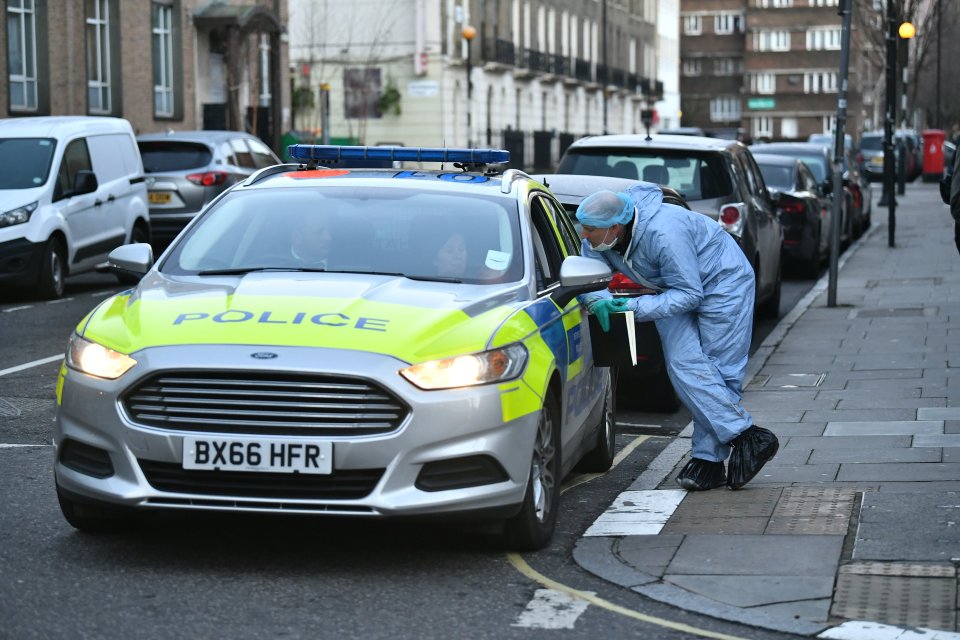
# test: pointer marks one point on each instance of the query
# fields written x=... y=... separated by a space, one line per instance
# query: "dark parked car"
x=645 y=386
x=805 y=213
x=187 y=169
x=854 y=213
x=716 y=177
x=907 y=147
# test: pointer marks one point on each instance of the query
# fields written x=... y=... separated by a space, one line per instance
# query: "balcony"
x=581 y=70
x=560 y=65
x=538 y=61
x=603 y=74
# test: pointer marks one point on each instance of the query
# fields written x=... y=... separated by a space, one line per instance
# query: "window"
x=262 y=155
x=771 y=40
x=727 y=66
x=98 y=56
x=691 y=67
x=823 y=38
x=242 y=153
x=162 y=60
x=726 y=23
x=820 y=82
x=265 y=70
x=763 y=127
x=774 y=4
x=76 y=157
x=788 y=128
x=22 y=55
x=824 y=3
x=361 y=92
x=764 y=83
x=692 y=25
x=724 y=109
x=829 y=124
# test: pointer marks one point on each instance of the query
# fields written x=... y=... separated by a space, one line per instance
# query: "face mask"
x=606 y=246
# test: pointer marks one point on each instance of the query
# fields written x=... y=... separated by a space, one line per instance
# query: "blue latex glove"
x=603 y=307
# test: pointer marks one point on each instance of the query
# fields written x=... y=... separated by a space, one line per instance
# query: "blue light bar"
x=410 y=154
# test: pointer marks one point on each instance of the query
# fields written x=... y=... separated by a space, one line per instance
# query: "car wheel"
x=52 y=270
x=600 y=458
x=93 y=518
x=770 y=308
x=533 y=526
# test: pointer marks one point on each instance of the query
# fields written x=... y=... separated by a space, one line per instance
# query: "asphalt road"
x=186 y=575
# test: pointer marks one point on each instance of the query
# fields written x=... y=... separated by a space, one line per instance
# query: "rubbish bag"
x=751 y=450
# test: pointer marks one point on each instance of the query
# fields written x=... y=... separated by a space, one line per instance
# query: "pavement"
x=853 y=530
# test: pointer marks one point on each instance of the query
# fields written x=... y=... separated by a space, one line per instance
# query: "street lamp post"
x=468 y=33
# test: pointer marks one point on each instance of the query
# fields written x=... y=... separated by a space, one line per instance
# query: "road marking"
x=19 y=446
x=59 y=300
x=579 y=479
x=520 y=564
x=639 y=425
x=552 y=609
x=28 y=365
x=26 y=306
x=637 y=513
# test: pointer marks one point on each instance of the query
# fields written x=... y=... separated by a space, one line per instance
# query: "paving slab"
x=918 y=472
x=597 y=555
x=942 y=440
x=892 y=427
x=951 y=454
x=917 y=527
x=889 y=402
x=753 y=591
x=871 y=393
x=943 y=413
x=789 y=474
x=845 y=442
x=813 y=610
x=757 y=555
x=851 y=415
x=873 y=454
x=649 y=554
x=795 y=429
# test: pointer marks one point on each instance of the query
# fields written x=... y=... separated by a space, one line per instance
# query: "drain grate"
x=898 y=600
x=812 y=511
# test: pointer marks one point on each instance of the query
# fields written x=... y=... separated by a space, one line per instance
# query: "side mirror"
x=580 y=275
x=774 y=195
x=85 y=181
x=131 y=260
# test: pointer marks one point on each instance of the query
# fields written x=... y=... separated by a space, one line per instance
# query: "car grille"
x=350 y=484
x=264 y=404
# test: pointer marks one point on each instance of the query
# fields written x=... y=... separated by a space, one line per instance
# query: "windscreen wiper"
x=244 y=270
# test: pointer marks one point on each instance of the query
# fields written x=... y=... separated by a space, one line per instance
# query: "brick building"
x=787 y=83
x=161 y=64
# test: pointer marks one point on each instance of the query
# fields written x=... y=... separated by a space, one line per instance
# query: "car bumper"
x=20 y=262
x=164 y=227
x=382 y=469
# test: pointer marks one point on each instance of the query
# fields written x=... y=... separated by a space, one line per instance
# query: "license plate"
x=877 y=160
x=155 y=197
x=271 y=455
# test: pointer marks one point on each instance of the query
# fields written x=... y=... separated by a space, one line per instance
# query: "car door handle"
x=111 y=198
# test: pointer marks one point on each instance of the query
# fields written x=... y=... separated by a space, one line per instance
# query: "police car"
x=358 y=342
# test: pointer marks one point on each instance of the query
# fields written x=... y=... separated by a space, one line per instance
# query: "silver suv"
x=188 y=169
x=718 y=178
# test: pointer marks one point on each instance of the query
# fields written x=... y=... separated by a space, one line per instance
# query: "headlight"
x=18 y=215
x=97 y=360
x=496 y=365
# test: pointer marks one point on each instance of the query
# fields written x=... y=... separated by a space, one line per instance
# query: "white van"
x=72 y=188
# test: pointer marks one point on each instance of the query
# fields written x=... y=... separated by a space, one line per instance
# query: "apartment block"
x=788 y=80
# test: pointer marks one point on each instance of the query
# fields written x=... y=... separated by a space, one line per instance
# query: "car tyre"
x=52 y=270
x=532 y=527
x=600 y=457
x=91 y=517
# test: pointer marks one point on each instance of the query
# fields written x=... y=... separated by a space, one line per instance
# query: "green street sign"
x=761 y=103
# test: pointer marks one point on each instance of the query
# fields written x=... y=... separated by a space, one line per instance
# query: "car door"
x=817 y=203
x=110 y=155
x=80 y=213
x=558 y=240
x=769 y=234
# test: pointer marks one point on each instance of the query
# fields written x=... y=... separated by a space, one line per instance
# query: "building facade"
x=161 y=64
x=786 y=83
x=541 y=73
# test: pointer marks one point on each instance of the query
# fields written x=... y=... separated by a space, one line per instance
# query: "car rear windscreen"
x=871 y=143
x=777 y=176
x=697 y=176
x=170 y=155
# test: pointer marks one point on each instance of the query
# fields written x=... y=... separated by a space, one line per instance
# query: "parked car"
x=645 y=386
x=871 y=156
x=71 y=190
x=716 y=177
x=805 y=213
x=242 y=376
x=829 y=139
x=819 y=158
x=186 y=170
x=914 y=152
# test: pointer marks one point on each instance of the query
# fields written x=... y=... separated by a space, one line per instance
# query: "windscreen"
x=777 y=176
x=871 y=143
x=422 y=235
x=697 y=176
x=170 y=155
x=25 y=162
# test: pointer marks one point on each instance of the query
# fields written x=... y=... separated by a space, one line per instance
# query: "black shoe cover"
x=751 y=450
x=701 y=475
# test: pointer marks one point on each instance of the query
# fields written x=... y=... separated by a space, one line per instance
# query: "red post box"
x=933 y=154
